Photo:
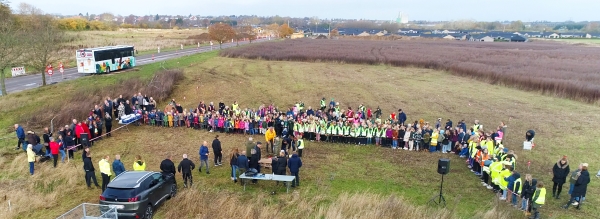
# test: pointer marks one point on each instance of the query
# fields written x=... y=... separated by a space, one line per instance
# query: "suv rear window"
x=121 y=194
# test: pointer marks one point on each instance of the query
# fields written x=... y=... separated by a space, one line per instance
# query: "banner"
x=18 y=71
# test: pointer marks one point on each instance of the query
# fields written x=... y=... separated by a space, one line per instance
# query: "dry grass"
x=338 y=181
x=142 y=39
x=555 y=69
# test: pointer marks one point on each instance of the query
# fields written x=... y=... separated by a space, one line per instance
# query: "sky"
x=432 y=10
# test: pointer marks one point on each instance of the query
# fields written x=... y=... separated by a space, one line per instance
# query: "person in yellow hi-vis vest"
x=504 y=174
x=300 y=145
x=105 y=171
x=538 y=200
x=139 y=164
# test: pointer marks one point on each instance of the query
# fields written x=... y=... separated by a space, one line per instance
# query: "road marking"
x=31 y=84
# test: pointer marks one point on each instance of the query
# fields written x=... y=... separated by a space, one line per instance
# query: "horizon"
x=529 y=11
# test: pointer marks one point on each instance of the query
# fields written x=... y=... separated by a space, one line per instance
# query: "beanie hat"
x=564 y=158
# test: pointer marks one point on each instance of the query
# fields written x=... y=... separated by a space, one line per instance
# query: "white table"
x=271 y=177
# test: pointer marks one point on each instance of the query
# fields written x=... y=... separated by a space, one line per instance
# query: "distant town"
x=510 y=31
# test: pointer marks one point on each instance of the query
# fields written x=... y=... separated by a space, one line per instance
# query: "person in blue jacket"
x=118 y=166
x=20 y=135
x=401 y=117
x=204 y=157
x=294 y=164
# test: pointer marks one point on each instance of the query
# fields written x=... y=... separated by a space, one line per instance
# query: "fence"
x=91 y=211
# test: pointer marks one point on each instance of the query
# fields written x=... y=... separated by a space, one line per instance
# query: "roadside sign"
x=49 y=70
x=16 y=71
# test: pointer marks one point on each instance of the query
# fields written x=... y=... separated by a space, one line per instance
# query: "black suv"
x=136 y=194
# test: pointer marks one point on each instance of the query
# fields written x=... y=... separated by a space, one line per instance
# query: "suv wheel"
x=107 y=70
x=149 y=212
x=173 y=191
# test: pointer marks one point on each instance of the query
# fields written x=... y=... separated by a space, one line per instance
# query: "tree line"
x=28 y=37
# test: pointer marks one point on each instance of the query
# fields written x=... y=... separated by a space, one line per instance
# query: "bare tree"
x=43 y=39
x=11 y=43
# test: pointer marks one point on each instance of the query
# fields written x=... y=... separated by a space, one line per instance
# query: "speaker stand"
x=439 y=199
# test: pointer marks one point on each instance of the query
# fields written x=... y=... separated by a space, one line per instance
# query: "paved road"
x=31 y=81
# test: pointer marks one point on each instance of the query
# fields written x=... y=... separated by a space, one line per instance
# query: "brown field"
x=555 y=69
x=338 y=181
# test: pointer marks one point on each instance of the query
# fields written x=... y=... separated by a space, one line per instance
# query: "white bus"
x=105 y=59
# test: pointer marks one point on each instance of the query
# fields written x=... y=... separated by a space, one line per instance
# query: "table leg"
x=244 y=184
x=288 y=187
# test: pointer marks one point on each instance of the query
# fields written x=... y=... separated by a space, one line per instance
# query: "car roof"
x=130 y=179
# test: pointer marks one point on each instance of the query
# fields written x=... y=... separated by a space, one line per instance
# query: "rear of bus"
x=105 y=59
x=85 y=61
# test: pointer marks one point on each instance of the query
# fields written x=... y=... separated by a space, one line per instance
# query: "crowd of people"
x=495 y=165
x=286 y=130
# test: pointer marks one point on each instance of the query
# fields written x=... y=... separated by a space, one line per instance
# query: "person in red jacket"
x=86 y=129
x=78 y=130
x=54 y=147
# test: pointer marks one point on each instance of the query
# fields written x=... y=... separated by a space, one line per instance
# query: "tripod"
x=439 y=199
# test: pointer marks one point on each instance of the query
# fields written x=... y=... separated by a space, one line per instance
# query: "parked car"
x=136 y=194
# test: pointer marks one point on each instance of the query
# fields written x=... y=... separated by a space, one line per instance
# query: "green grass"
x=330 y=170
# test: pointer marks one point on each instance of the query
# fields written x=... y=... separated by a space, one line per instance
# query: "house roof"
x=411 y=34
x=518 y=38
x=434 y=35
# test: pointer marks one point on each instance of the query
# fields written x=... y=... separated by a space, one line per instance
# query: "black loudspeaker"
x=85 y=140
x=443 y=166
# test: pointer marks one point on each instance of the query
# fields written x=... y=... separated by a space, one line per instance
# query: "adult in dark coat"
x=580 y=189
x=90 y=175
x=185 y=167
x=242 y=162
x=529 y=135
x=128 y=109
x=256 y=155
x=560 y=171
x=167 y=166
x=279 y=164
x=527 y=192
x=216 y=146
x=294 y=163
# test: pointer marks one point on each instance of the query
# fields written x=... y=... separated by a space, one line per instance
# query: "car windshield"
x=119 y=193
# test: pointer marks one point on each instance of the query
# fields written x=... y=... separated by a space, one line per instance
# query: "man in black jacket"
x=88 y=166
x=167 y=166
x=216 y=146
x=279 y=164
x=256 y=155
x=185 y=167
x=46 y=136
